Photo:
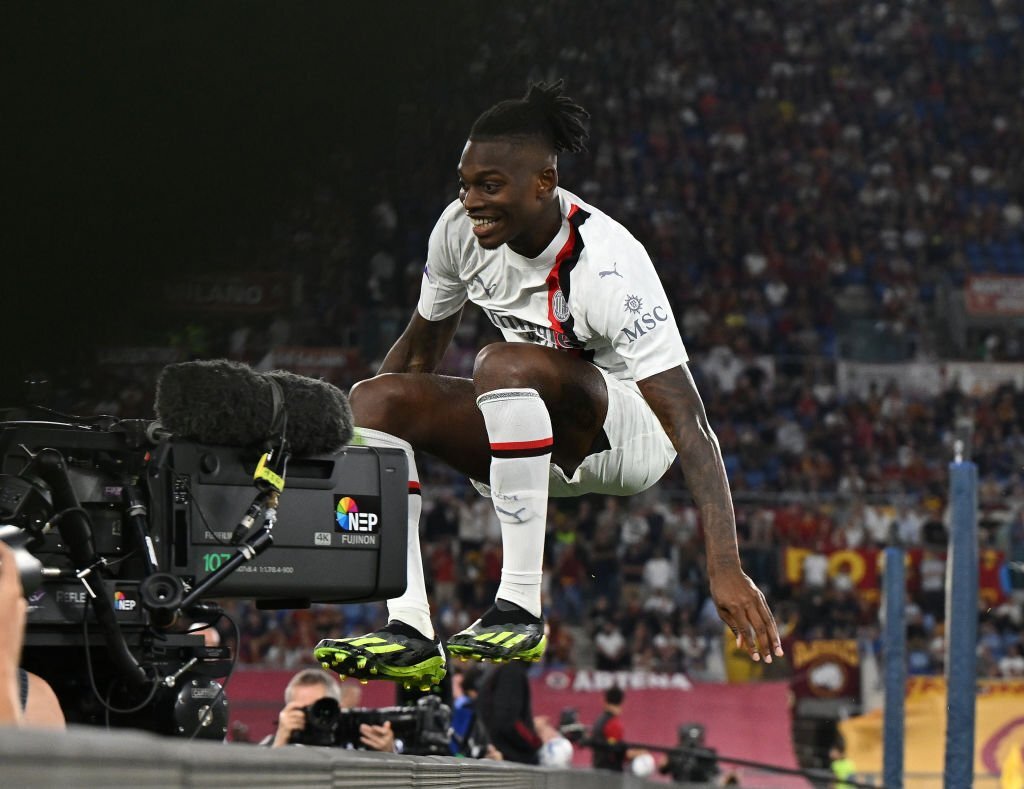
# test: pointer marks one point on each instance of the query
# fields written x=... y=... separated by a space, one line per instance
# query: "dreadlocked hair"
x=544 y=112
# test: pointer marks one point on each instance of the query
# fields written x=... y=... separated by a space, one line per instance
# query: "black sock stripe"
x=521 y=453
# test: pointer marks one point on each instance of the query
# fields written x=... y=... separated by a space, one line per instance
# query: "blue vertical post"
x=895 y=641
x=961 y=624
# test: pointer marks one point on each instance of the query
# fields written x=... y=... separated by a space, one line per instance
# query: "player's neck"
x=545 y=232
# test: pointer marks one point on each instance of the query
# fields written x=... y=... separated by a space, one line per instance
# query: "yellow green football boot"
x=505 y=632
x=396 y=652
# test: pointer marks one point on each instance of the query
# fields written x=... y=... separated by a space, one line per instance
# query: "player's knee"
x=507 y=366
x=377 y=402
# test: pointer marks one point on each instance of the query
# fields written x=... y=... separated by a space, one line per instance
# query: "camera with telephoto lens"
x=423 y=728
x=322 y=718
x=123 y=536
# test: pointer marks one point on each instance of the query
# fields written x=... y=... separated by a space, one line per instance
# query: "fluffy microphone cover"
x=215 y=402
x=319 y=416
x=229 y=403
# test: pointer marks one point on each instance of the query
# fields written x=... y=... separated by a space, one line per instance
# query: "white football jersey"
x=594 y=290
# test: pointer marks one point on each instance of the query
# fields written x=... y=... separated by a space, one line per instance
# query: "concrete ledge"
x=88 y=757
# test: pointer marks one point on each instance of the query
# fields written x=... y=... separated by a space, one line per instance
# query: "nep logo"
x=351 y=519
x=122 y=603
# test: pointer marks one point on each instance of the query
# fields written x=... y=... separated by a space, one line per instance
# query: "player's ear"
x=547 y=180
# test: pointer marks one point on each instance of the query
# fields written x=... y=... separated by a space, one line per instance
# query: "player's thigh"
x=437 y=414
x=638 y=455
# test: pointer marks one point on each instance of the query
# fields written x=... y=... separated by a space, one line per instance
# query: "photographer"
x=310 y=686
x=25 y=699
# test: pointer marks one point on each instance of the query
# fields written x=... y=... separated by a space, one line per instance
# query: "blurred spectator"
x=1012 y=663
x=611 y=647
x=816 y=569
x=607 y=735
x=506 y=710
x=469 y=735
x=659 y=573
x=694 y=649
x=932 y=571
x=841 y=765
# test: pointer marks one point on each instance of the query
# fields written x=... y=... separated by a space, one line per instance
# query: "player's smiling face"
x=508 y=191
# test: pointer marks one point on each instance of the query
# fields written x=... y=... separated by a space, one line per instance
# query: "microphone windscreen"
x=319 y=416
x=215 y=402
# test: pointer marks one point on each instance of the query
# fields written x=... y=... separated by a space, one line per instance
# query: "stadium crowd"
x=796 y=171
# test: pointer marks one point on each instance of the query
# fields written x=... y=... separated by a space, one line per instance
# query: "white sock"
x=412 y=607
x=519 y=430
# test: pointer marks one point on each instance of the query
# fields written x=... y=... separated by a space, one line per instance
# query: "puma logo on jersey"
x=487 y=288
x=610 y=272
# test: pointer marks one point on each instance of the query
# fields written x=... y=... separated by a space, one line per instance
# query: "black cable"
x=80 y=422
x=119 y=559
x=108 y=707
x=199 y=509
x=92 y=678
x=80 y=510
x=76 y=417
x=202 y=517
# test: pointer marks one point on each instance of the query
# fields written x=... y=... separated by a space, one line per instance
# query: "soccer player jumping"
x=589 y=393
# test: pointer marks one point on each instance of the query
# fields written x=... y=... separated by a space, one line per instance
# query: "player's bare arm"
x=673 y=396
x=421 y=346
x=406 y=387
x=12 y=633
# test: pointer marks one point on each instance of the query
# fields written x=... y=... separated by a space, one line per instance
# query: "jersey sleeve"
x=631 y=310
x=442 y=292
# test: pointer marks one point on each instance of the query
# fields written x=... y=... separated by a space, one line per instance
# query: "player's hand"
x=377 y=738
x=744 y=609
x=290 y=719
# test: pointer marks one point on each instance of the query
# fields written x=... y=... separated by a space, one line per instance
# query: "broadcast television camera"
x=124 y=535
x=692 y=760
x=422 y=728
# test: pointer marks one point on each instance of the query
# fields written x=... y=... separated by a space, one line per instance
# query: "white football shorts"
x=639 y=456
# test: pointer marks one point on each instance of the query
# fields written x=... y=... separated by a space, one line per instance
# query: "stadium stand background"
x=824 y=188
